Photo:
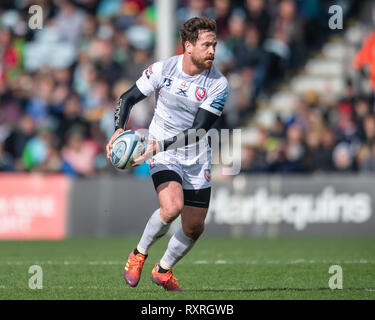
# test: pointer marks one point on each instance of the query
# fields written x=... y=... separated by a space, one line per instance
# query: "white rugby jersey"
x=179 y=95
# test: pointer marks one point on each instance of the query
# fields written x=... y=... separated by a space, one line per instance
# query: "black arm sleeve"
x=125 y=104
x=203 y=120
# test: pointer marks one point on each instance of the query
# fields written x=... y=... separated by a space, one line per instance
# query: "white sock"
x=141 y=249
x=178 y=246
x=154 y=230
x=164 y=265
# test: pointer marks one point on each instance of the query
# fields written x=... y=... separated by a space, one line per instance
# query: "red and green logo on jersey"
x=200 y=93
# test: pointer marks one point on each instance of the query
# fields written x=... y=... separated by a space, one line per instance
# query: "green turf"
x=216 y=268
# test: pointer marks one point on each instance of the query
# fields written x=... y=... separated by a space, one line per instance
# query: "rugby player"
x=190 y=95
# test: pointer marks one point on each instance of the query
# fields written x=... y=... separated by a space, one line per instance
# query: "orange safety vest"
x=366 y=55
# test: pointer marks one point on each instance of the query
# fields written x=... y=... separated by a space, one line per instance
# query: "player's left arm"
x=203 y=120
x=207 y=114
x=123 y=108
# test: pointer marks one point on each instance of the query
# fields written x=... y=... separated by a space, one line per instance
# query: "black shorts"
x=196 y=198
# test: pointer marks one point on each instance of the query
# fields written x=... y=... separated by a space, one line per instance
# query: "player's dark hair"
x=191 y=28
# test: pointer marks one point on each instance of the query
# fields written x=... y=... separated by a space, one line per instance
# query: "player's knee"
x=171 y=211
x=194 y=231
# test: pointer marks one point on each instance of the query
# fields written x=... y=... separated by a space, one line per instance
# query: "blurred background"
x=301 y=93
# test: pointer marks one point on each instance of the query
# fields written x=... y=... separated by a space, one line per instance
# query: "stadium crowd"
x=59 y=85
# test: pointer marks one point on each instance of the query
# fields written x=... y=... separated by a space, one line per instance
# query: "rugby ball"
x=125 y=148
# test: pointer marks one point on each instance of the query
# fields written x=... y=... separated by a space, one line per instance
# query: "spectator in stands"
x=312 y=156
x=346 y=130
x=258 y=16
x=193 y=8
x=363 y=160
x=105 y=63
x=71 y=117
x=38 y=105
x=327 y=144
x=40 y=153
x=249 y=54
x=369 y=128
x=141 y=43
x=221 y=12
x=241 y=96
x=247 y=160
x=368 y=162
x=294 y=149
x=69 y=21
x=9 y=58
x=252 y=160
x=18 y=138
x=284 y=43
x=61 y=104
x=248 y=51
x=79 y=154
x=236 y=26
x=343 y=158
x=6 y=163
x=361 y=110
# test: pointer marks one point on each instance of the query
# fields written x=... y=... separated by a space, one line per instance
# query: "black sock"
x=161 y=270
x=137 y=252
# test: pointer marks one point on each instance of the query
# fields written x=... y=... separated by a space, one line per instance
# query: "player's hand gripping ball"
x=127 y=147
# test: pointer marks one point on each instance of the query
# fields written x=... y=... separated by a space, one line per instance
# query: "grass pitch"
x=216 y=268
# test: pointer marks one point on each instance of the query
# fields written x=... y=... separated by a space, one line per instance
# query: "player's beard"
x=202 y=64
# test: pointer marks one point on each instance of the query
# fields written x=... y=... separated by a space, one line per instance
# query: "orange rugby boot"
x=133 y=268
x=166 y=280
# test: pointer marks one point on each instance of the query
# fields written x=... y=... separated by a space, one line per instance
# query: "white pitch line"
x=221 y=262
x=201 y=262
x=298 y=261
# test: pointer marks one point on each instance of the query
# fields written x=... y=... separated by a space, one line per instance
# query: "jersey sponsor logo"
x=167 y=82
x=149 y=72
x=182 y=92
x=200 y=93
x=207 y=175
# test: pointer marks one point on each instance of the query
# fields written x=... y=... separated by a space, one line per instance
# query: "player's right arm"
x=123 y=108
x=145 y=85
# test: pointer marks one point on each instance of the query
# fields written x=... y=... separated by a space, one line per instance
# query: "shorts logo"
x=207 y=175
x=152 y=163
x=148 y=72
x=200 y=93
